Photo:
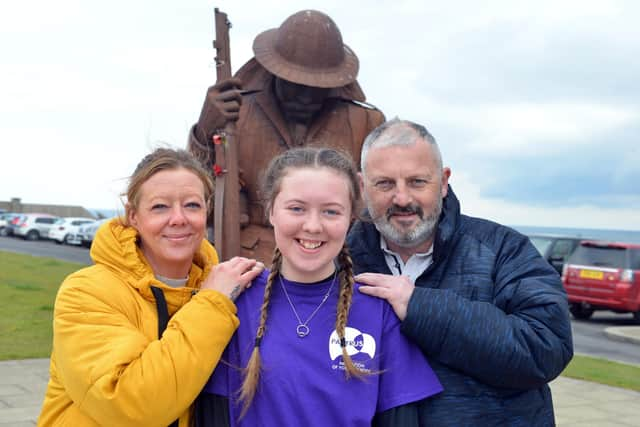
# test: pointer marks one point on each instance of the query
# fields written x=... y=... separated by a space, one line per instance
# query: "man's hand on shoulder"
x=396 y=290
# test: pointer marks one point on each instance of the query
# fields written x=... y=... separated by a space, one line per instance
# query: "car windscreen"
x=600 y=256
x=541 y=243
x=635 y=259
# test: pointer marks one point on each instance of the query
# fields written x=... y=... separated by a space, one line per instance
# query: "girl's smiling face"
x=311 y=216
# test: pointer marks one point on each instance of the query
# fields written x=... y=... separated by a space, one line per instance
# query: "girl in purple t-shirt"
x=310 y=350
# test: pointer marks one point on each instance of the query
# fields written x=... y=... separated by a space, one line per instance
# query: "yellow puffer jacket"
x=108 y=367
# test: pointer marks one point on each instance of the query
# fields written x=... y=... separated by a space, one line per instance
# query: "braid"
x=252 y=370
x=344 y=305
x=276 y=262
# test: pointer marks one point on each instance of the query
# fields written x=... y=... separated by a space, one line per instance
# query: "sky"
x=535 y=105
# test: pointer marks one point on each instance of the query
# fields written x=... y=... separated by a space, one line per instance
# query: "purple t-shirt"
x=302 y=380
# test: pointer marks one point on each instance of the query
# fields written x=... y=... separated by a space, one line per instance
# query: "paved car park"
x=576 y=402
x=46 y=248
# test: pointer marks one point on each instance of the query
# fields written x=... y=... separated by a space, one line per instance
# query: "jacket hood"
x=447 y=225
x=115 y=247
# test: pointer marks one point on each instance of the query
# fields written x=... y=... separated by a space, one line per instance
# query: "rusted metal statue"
x=299 y=89
x=226 y=204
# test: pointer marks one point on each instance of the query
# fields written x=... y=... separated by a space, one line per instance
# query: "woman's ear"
x=131 y=215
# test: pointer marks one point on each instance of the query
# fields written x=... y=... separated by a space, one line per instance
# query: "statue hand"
x=221 y=105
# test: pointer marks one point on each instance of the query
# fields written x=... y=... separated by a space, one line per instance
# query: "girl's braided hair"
x=300 y=158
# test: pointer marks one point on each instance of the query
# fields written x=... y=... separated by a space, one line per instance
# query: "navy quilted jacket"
x=490 y=314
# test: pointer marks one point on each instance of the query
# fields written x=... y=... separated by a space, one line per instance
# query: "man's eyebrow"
x=376 y=177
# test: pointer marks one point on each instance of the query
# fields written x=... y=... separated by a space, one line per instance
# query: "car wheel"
x=67 y=239
x=581 y=312
x=4 y=231
x=636 y=317
x=32 y=235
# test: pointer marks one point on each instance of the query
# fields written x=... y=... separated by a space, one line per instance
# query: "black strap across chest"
x=163 y=319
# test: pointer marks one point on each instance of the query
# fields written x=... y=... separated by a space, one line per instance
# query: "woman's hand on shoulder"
x=232 y=277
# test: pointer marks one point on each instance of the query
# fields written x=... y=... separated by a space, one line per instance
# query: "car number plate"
x=591 y=274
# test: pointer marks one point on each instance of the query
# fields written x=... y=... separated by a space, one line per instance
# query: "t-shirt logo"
x=357 y=342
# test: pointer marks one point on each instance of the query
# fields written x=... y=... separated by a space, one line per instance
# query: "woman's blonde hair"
x=303 y=158
x=159 y=160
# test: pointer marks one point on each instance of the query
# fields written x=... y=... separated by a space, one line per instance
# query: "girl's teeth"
x=309 y=245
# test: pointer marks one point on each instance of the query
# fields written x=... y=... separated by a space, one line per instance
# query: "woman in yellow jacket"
x=137 y=335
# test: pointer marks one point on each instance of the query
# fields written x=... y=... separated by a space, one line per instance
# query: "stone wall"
x=16 y=205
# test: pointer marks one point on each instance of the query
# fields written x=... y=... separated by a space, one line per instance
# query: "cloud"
x=512 y=212
x=599 y=169
x=534 y=104
x=538 y=104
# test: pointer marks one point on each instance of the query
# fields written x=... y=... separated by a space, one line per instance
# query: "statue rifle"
x=226 y=208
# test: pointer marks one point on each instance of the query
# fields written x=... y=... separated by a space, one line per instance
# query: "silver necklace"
x=303 y=328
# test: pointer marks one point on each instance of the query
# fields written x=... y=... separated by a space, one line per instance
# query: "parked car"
x=603 y=276
x=5 y=223
x=33 y=226
x=555 y=249
x=11 y=223
x=86 y=232
x=64 y=228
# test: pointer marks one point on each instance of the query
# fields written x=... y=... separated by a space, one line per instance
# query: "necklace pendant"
x=302 y=330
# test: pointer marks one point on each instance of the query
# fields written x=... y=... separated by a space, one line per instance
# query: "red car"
x=603 y=276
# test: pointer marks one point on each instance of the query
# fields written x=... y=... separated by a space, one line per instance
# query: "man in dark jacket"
x=486 y=309
x=299 y=89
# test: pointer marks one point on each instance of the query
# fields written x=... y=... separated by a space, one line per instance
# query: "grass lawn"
x=28 y=287
x=603 y=371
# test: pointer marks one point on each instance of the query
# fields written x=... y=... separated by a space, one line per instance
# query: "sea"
x=626 y=236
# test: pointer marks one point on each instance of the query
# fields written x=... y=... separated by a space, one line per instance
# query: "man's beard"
x=422 y=232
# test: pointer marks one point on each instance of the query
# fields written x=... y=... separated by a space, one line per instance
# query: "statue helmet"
x=307 y=49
